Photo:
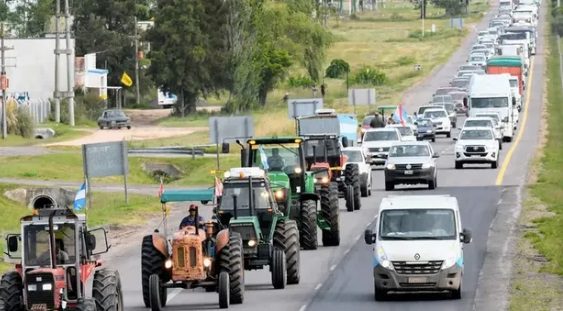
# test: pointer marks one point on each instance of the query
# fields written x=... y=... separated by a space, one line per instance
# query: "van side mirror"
x=466 y=236
x=12 y=243
x=369 y=237
x=435 y=155
x=455 y=138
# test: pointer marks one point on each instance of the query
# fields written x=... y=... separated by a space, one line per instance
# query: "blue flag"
x=263 y=158
x=80 y=198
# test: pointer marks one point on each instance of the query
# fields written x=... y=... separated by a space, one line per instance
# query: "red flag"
x=218 y=187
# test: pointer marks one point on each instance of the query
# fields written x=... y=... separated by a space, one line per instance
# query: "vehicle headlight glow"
x=382 y=258
x=324 y=180
x=32 y=287
x=168 y=264
x=448 y=263
x=47 y=286
x=298 y=170
x=429 y=131
x=206 y=262
x=279 y=194
x=390 y=166
x=251 y=243
x=427 y=165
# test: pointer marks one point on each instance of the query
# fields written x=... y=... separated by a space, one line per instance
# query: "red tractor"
x=56 y=268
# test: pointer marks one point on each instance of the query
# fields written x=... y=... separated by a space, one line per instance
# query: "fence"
x=38 y=109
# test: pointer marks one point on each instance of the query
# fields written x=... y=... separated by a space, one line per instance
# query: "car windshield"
x=380 y=135
x=494 y=117
x=441 y=98
x=318 y=148
x=478 y=123
x=476 y=135
x=37 y=244
x=449 y=107
x=513 y=36
x=115 y=114
x=425 y=122
x=353 y=155
x=490 y=102
x=239 y=191
x=513 y=83
x=477 y=59
x=405 y=131
x=417 y=224
x=409 y=151
x=435 y=114
x=462 y=83
x=422 y=109
x=276 y=157
x=443 y=91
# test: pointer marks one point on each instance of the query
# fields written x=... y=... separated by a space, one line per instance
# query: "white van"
x=492 y=93
x=418 y=245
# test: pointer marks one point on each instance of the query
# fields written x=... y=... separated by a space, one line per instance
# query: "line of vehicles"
x=418 y=240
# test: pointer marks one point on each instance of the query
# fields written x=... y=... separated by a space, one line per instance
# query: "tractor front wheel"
x=223 y=289
x=308 y=221
x=152 y=262
x=11 y=292
x=286 y=237
x=330 y=213
x=155 y=290
x=231 y=260
x=279 y=272
x=107 y=290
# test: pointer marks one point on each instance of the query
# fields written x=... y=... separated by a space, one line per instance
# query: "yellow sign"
x=126 y=79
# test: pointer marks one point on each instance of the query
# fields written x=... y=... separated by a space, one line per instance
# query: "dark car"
x=411 y=163
x=425 y=130
x=114 y=119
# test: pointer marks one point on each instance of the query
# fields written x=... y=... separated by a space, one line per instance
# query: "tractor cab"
x=323 y=153
x=249 y=208
x=54 y=255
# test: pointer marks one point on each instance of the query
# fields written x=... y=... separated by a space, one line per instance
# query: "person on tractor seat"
x=190 y=220
x=276 y=162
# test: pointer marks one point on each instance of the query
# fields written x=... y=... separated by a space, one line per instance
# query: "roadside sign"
x=224 y=129
x=303 y=107
x=361 y=97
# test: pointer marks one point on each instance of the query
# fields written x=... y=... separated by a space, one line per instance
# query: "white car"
x=407 y=134
x=357 y=156
x=476 y=145
x=485 y=122
x=478 y=60
x=376 y=143
x=441 y=120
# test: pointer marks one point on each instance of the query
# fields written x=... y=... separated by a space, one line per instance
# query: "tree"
x=452 y=7
x=188 y=49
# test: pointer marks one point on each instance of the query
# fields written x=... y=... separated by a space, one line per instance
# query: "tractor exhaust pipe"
x=53 y=241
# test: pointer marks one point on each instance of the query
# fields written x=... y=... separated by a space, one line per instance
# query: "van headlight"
x=390 y=166
x=448 y=263
x=382 y=258
x=427 y=165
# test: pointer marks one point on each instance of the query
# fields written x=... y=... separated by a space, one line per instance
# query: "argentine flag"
x=80 y=198
x=263 y=158
x=400 y=115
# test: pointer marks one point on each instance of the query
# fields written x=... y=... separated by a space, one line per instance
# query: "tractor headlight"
x=324 y=180
x=251 y=243
x=207 y=262
x=298 y=170
x=47 y=286
x=279 y=194
x=168 y=264
x=32 y=287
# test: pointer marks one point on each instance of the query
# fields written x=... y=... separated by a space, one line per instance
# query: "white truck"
x=492 y=93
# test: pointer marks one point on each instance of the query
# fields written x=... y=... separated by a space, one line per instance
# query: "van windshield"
x=492 y=102
x=417 y=224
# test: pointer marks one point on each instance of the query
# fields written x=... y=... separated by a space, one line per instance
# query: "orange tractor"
x=55 y=265
x=206 y=255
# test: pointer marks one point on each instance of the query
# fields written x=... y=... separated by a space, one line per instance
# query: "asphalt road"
x=340 y=278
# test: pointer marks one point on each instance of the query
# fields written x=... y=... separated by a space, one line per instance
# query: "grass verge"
x=110 y=210
x=62 y=132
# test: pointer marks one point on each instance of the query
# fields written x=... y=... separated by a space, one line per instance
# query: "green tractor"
x=269 y=238
x=296 y=189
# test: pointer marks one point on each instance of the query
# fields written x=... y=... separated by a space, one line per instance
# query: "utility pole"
x=137 y=86
x=57 y=94
x=69 y=71
x=3 y=82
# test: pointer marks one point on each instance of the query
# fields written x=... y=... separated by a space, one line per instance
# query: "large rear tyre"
x=286 y=237
x=223 y=289
x=330 y=213
x=352 y=177
x=11 y=292
x=106 y=290
x=152 y=262
x=231 y=260
x=308 y=222
x=83 y=305
x=279 y=272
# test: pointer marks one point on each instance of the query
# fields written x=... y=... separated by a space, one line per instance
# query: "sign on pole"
x=105 y=159
x=361 y=97
x=224 y=129
x=303 y=107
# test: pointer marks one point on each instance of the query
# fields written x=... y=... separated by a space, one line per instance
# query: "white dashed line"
x=499 y=202
x=346 y=252
x=358 y=237
x=318 y=286
x=332 y=267
x=303 y=307
x=173 y=294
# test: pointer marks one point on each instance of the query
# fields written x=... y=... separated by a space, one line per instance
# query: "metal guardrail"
x=195 y=151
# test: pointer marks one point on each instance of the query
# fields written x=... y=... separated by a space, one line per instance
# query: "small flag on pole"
x=263 y=158
x=126 y=79
x=161 y=189
x=218 y=187
x=80 y=198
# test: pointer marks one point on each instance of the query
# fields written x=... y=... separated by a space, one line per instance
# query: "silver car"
x=411 y=163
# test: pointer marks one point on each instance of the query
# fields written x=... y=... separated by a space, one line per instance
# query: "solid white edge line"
x=318 y=286
x=332 y=267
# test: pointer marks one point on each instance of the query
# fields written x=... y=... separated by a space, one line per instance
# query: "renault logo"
x=417 y=256
x=408 y=166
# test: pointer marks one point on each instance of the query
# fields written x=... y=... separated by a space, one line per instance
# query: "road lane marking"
x=332 y=267
x=173 y=294
x=346 y=252
x=303 y=308
x=522 y=125
x=318 y=286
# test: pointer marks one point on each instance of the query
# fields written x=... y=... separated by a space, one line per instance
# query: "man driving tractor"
x=190 y=220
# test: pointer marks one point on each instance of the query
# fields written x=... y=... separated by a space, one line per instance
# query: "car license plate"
x=409 y=172
x=417 y=280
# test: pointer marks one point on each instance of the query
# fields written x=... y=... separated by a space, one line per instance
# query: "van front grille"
x=427 y=267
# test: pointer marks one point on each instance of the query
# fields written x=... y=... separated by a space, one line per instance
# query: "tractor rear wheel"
x=152 y=262
x=330 y=212
x=223 y=289
x=106 y=290
x=279 y=273
x=352 y=178
x=231 y=260
x=308 y=222
x=286 y=237
x=11 y=292
x=83 y=304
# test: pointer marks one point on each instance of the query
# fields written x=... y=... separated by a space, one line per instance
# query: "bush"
x=557 y=24
x=19 y=120
x=337 y=69
x=370 y=76
x=300 y=81
x=87 y=106
x=405 y=60
x=396 y=17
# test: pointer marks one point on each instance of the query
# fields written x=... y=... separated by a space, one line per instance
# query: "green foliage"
x=369 y=76
x=405 y=60
x=452 y=7
x=299 y=81
x=22 y=124
x=337 y=69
